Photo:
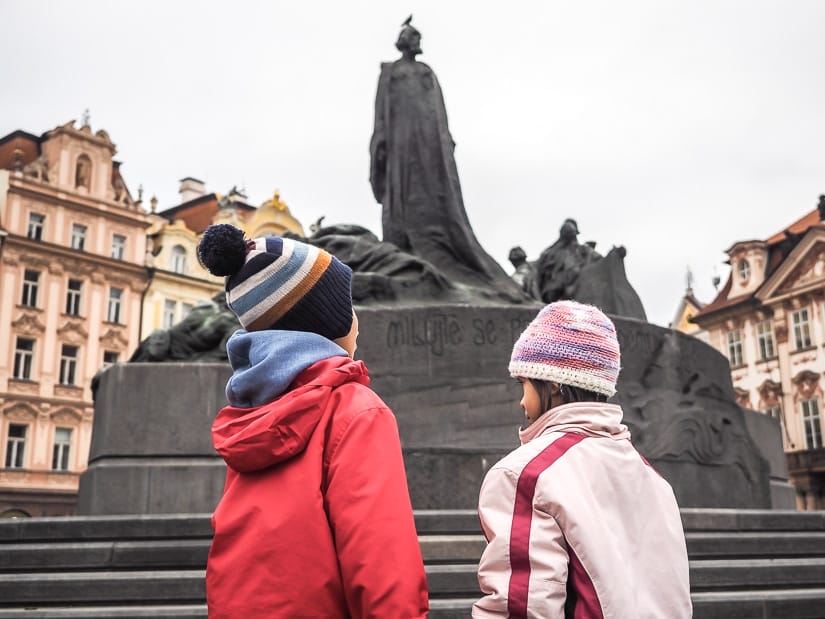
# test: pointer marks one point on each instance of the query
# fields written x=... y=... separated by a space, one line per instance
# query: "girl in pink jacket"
x=577 y=522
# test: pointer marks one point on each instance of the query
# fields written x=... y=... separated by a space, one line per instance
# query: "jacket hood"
x=591 y=418
x=254 y=438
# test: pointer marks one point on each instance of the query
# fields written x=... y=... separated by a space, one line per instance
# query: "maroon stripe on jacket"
x=586 y=605
x=522 y=518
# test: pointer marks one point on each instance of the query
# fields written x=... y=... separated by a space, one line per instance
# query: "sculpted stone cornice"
x=28 y=324
x=73 y=332
x=769 y=393
x=67 y=416
x=24 y=386
x=11 y=260
x=33 y=260
x=807 y=385
x=114 y=339
x=68 y=391
x=20 y=411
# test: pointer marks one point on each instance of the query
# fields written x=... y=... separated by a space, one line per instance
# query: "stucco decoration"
x=28 y=324
x=20 y=411
x=73 y=332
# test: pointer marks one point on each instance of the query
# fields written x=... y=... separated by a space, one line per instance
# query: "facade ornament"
x=28 y=324
x=38 y=169
x=807 y=385
x=20 y=411
x=275 y=202
x=73 y=332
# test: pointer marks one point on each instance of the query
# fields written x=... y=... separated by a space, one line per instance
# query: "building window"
x=118 y=246
x=735 y=347
x=170 y=308
x=115 y=295
x=83 y=172
x=810 y=419
x=78 y=236
x=110 y=357
x=68 y=365
x=744 y=270
x=62 y=449
x=31 y=282
x=16 y=446
x=186 y=308
x=801 y=329
x=764 y=336
x=36 y=221
x=23 y=356
x=73 y=297
x=178 y=259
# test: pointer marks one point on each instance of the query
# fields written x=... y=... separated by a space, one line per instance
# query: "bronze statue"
x=414 y=176
x=525 y=272
x=559 y=265
x=201 y=336
x=572 y=270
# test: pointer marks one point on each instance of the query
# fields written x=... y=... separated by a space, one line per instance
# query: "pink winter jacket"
x=579 y=525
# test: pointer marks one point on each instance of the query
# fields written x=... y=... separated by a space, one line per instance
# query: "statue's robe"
x=413 y=175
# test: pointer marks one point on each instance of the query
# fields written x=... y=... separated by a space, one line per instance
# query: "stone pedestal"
x=151 y=447
x=443 y=371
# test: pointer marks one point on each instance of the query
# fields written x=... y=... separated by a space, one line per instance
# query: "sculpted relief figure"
x=525 y=272
x=414 y=176
x=559 y=265
x=572 y=270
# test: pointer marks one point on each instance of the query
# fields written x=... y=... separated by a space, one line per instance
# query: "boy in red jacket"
x=315 y=519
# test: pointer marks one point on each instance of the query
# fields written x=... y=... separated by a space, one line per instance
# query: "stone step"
x=762 y=604
x=180 y=554
x=757 y=573
x=145 y=587
x=159 y=611
x=447 y=548
x=458 y=521
x=701 y=519
x=762 y=544
x=172 y=586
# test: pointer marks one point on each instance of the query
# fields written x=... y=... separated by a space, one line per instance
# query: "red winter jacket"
x=315 y=519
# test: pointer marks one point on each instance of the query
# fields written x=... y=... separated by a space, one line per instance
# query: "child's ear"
x=555 y=388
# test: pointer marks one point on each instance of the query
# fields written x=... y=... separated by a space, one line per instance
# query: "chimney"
x=191 y=188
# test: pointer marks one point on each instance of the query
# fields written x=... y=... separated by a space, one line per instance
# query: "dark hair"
x=568 y=394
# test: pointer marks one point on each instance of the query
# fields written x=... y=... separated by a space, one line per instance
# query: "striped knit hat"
x=571 y=344
x=279 y=283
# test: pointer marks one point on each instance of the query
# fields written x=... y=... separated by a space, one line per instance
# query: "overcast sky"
x=674 y=128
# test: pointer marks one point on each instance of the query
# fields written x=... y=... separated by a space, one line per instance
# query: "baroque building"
x=769 y=319
x=177 y=281
x=72 y=275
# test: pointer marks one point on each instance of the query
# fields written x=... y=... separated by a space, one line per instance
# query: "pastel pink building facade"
x=72 y=278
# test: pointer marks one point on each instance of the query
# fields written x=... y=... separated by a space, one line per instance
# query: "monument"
x=438 y=320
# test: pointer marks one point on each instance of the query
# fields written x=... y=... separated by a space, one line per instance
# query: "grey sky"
x=674 y=128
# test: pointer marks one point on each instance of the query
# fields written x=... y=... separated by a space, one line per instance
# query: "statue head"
x=517 y=256
x=569 y=230
x=409 y=41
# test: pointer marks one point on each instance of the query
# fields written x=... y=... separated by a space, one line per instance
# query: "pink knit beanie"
x=571 y=344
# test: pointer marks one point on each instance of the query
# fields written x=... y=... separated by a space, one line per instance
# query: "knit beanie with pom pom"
x=279 y=283
x=571 y=344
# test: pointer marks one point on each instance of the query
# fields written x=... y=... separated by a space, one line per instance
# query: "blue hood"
x=266 y=362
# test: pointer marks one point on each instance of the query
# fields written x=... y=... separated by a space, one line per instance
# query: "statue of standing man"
x=414 y=176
